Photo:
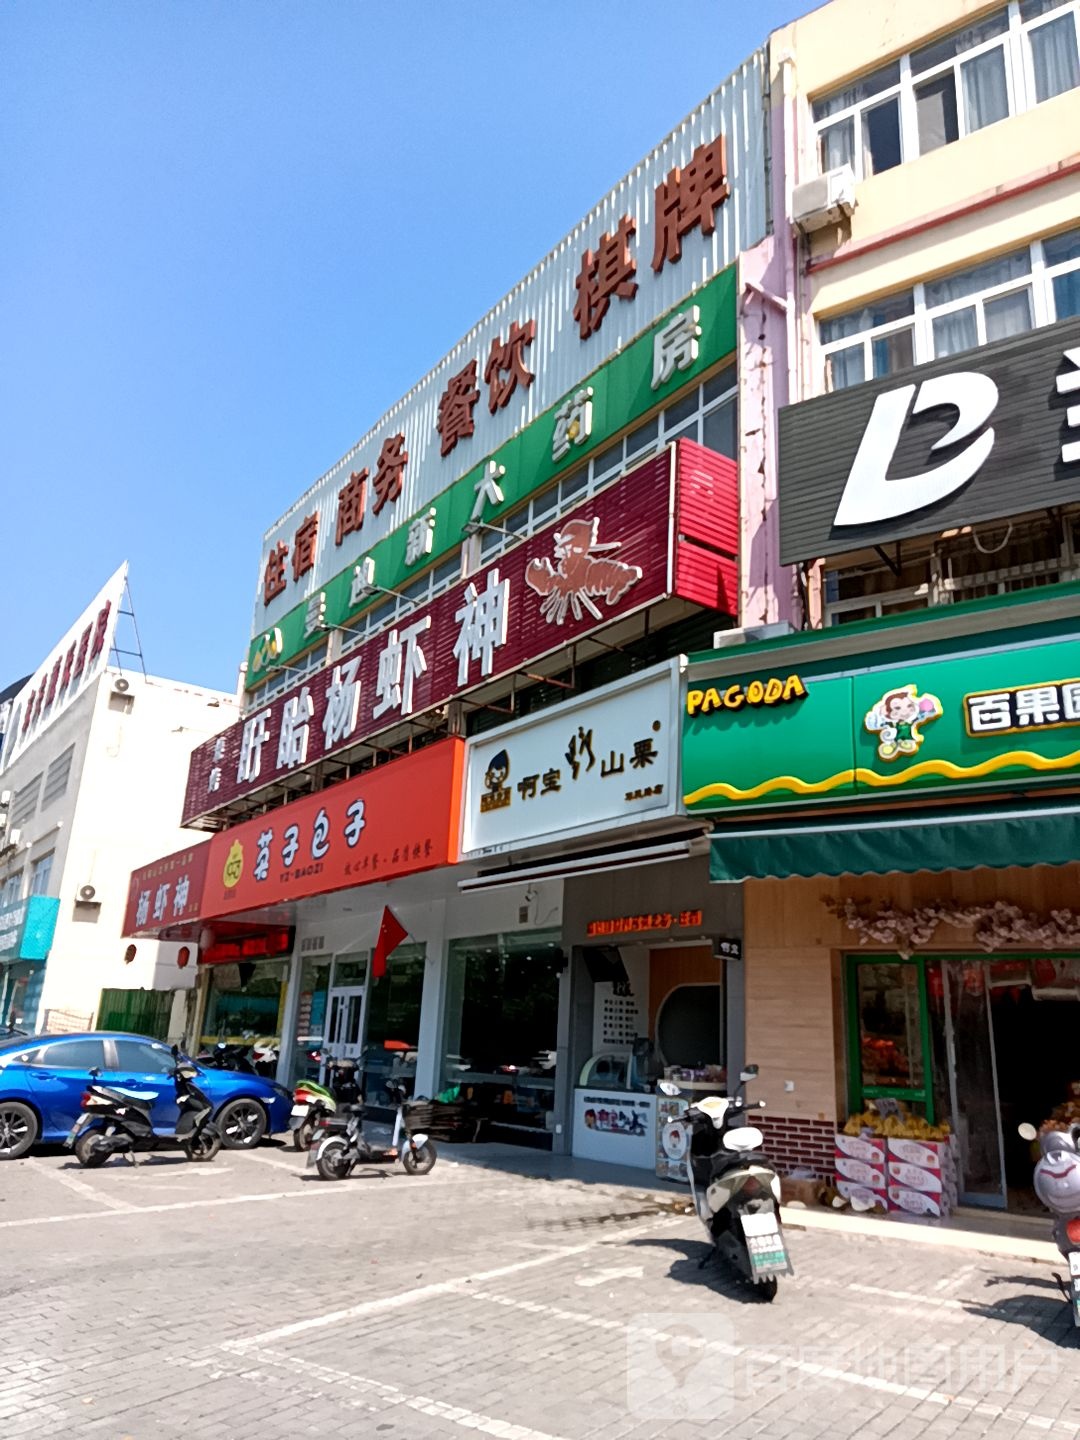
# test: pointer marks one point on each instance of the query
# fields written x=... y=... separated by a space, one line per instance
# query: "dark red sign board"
x=168 y=892
x=669 y=527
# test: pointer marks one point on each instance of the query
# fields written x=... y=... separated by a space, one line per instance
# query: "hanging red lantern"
x=183 y=955
x=129 y=954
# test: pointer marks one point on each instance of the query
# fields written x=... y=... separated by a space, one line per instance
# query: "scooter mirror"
x=176 y=1052
x=667 y=1088
x=1027 y=1132
x=750 y=1073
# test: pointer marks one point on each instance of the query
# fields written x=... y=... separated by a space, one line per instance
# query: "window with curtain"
x=986 y=93
x=1054 y=63
x=860 y=124
x=978 y=305
x=1021 y=55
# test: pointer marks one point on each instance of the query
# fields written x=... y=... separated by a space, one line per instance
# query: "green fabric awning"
x=882 y=843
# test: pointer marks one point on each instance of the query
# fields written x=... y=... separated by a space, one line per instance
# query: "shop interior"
x=657 y=1013
x=500 y=1036
x=972 y=1046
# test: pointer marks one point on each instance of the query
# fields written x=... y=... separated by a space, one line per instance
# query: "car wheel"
x=19 y=1129
x=242 y=1124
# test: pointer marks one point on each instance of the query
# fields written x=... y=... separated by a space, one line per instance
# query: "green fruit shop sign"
x=978 y=721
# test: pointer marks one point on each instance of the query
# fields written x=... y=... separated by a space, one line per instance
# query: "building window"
x=974 y=564
x=11 y=889
x=986 y=302
x=56 y=777
x=705 y=414
x=860 y=125
x=961 y=83
x=1051 y=47
x=1007 y=62
x=41 y=874
x=24 y=803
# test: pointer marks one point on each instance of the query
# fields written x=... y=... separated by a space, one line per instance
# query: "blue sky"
x=235 y=231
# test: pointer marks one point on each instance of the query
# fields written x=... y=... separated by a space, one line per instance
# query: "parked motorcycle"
x=258 y=1058
x=227 y=1057
x=1057 y=1184
x=341 y=1145
x=116 y=1120
x=735 y=1189
x=312 y=1103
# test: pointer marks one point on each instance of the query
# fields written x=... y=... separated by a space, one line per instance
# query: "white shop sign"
x=585 y=767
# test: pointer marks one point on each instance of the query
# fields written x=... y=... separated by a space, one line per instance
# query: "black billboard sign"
x=990 y=433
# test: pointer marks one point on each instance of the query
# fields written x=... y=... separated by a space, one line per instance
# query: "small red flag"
x=391 y=934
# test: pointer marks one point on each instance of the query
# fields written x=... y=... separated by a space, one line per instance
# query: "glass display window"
x=500 y=1034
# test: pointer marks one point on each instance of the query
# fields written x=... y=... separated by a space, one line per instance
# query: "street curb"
x=675 y=1199
x=921 y=1232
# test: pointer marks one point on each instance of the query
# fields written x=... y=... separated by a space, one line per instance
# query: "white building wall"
x=121 y=808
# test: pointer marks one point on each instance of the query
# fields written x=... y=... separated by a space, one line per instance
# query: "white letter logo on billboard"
x=870 y=496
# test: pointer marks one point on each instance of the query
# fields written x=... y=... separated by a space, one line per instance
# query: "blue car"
x=42 y=1078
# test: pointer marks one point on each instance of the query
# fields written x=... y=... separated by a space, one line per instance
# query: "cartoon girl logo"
x=897 y=719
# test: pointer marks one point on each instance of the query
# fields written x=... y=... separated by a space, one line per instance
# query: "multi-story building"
x=551 y=515
x=809 y=367
x=93 y=765
x=905 y=828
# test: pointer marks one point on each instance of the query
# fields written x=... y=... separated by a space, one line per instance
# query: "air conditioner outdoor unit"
x=121 y=686
x=88 y=895
x=14 y=837
x=825 y=200
x=5 y=799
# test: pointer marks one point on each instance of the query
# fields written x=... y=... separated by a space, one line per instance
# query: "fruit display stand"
x=896 y=1163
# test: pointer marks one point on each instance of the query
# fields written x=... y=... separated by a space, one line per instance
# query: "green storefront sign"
x=622 y=390
x=785 y=737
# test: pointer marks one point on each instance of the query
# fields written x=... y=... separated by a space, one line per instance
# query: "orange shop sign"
x=631 y=924
x=396 y=819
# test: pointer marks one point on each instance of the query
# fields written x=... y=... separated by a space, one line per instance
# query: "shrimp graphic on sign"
x=582 y=570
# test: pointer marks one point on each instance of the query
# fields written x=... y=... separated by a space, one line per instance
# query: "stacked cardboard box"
x=921 y=1176
x=861 y=1174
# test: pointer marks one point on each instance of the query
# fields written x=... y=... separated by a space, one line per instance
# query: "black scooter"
x=736 y=1189
x=117 y=1121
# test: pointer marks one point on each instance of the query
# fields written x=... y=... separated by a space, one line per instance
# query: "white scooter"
x=736 y=1191
x=1057 y=1184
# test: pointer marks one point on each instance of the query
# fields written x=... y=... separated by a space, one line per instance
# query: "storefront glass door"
x=976 y=1112
x=345 y=1023
x=921 y=1040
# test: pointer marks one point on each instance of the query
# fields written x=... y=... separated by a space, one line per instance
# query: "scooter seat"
x=353 y=1109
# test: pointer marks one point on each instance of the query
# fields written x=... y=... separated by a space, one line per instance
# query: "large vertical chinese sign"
x=75 y=662
x=668 y=528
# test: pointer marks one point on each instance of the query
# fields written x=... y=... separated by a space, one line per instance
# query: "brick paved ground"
x=244 y=1300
